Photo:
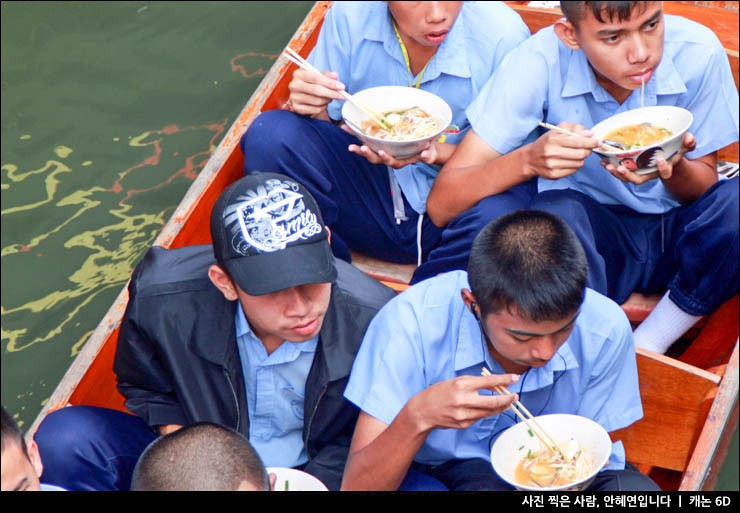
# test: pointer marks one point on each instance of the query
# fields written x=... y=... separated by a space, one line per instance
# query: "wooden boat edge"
x=711 y=448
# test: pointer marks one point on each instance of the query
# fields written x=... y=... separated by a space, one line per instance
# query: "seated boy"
x=256 y=331
x=372 y=202
x=674 y=230
x=522 y=311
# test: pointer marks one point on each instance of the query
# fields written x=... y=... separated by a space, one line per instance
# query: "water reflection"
x=109 y=111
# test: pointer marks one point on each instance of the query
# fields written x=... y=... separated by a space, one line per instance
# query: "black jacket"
x=177 y=360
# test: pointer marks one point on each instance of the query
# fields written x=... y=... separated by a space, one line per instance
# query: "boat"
x=690 y=399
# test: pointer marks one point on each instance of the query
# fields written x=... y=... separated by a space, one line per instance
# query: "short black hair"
x=203 y=456
x=530 y=260
x=11 y=432
x=576 y=11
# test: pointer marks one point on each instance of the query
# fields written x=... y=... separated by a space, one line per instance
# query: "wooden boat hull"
x=714 y=381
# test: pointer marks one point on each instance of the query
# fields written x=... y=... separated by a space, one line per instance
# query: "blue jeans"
x=355 y=196
x=85 y=448
x=691 y=250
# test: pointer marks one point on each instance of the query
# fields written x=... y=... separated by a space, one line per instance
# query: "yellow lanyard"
x=408 y=61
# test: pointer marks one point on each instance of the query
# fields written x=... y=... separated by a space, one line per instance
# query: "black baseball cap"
x=268 y=235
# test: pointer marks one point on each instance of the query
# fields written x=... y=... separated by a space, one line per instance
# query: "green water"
x=109 y=111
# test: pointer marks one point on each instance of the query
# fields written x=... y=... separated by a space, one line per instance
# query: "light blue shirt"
x=276 y=388
x=545 y=80
x=426 y=335
x=357 y=40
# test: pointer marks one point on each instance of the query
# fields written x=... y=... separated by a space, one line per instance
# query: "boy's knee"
x=269 y=127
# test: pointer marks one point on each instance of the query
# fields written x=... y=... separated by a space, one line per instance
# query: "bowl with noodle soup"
x=416 y=118
x=647 y=134
x=523 y=461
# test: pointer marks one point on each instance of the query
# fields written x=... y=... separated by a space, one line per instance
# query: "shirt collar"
x=451 y=57
x=472 y=354
x=243 y=329
x=580 y=79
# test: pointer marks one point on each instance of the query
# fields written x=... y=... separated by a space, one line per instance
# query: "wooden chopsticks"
x=604 y=144
x=523 y=413
x=302 y=63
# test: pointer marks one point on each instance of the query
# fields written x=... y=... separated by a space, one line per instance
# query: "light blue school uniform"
x=544 y=80
x=276 y=389
x=357 y=40
x=426 y=335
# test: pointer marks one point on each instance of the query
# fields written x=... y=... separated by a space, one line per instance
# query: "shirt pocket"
x=290 y=408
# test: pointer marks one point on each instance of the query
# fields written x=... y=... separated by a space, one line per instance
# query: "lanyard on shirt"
x=408 y=61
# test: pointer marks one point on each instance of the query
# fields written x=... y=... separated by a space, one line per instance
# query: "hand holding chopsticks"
x=378 y=118
x=523 y=413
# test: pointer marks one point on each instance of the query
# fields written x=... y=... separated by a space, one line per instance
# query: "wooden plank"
x=675 y=399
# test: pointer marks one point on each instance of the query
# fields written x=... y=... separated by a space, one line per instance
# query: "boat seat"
x=398 y=276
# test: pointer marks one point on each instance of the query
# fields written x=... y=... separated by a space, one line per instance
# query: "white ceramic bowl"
x=642 y=160
x=389 y=98
x=515 y=442
x=293 y=480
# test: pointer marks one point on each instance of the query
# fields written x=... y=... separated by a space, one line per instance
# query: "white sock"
x=665 y=324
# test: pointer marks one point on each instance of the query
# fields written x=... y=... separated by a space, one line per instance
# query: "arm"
x=165 y=429
x=142 y=379
x=476 y=170
x=380 y=454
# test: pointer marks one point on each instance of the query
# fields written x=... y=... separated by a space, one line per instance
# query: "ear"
x=566 y=31
x=34 y=457
x=467 y=297
x=223 y=282
x=329 y=236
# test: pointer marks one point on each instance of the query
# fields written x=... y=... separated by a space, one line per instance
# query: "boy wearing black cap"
x=260 y=338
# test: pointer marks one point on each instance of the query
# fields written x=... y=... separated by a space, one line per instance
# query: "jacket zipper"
x=236 y=399
x=310 y=420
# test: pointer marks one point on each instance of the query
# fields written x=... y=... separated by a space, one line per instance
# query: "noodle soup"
x=418 y=118
x=517 y=453
x=638 y=136
x=543 y=468
x=405 y=125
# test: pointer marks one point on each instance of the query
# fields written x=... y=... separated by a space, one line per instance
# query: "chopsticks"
x=569 y=132
x=528 y=419
x=302 y=63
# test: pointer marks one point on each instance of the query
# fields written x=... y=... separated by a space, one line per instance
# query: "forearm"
x=384 y=462
x=458 y=187
x=691 y=178
x=165 y=429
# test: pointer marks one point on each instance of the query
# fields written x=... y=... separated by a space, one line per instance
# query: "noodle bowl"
x=518 y=457
x=649 y=133
x=417 y=118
